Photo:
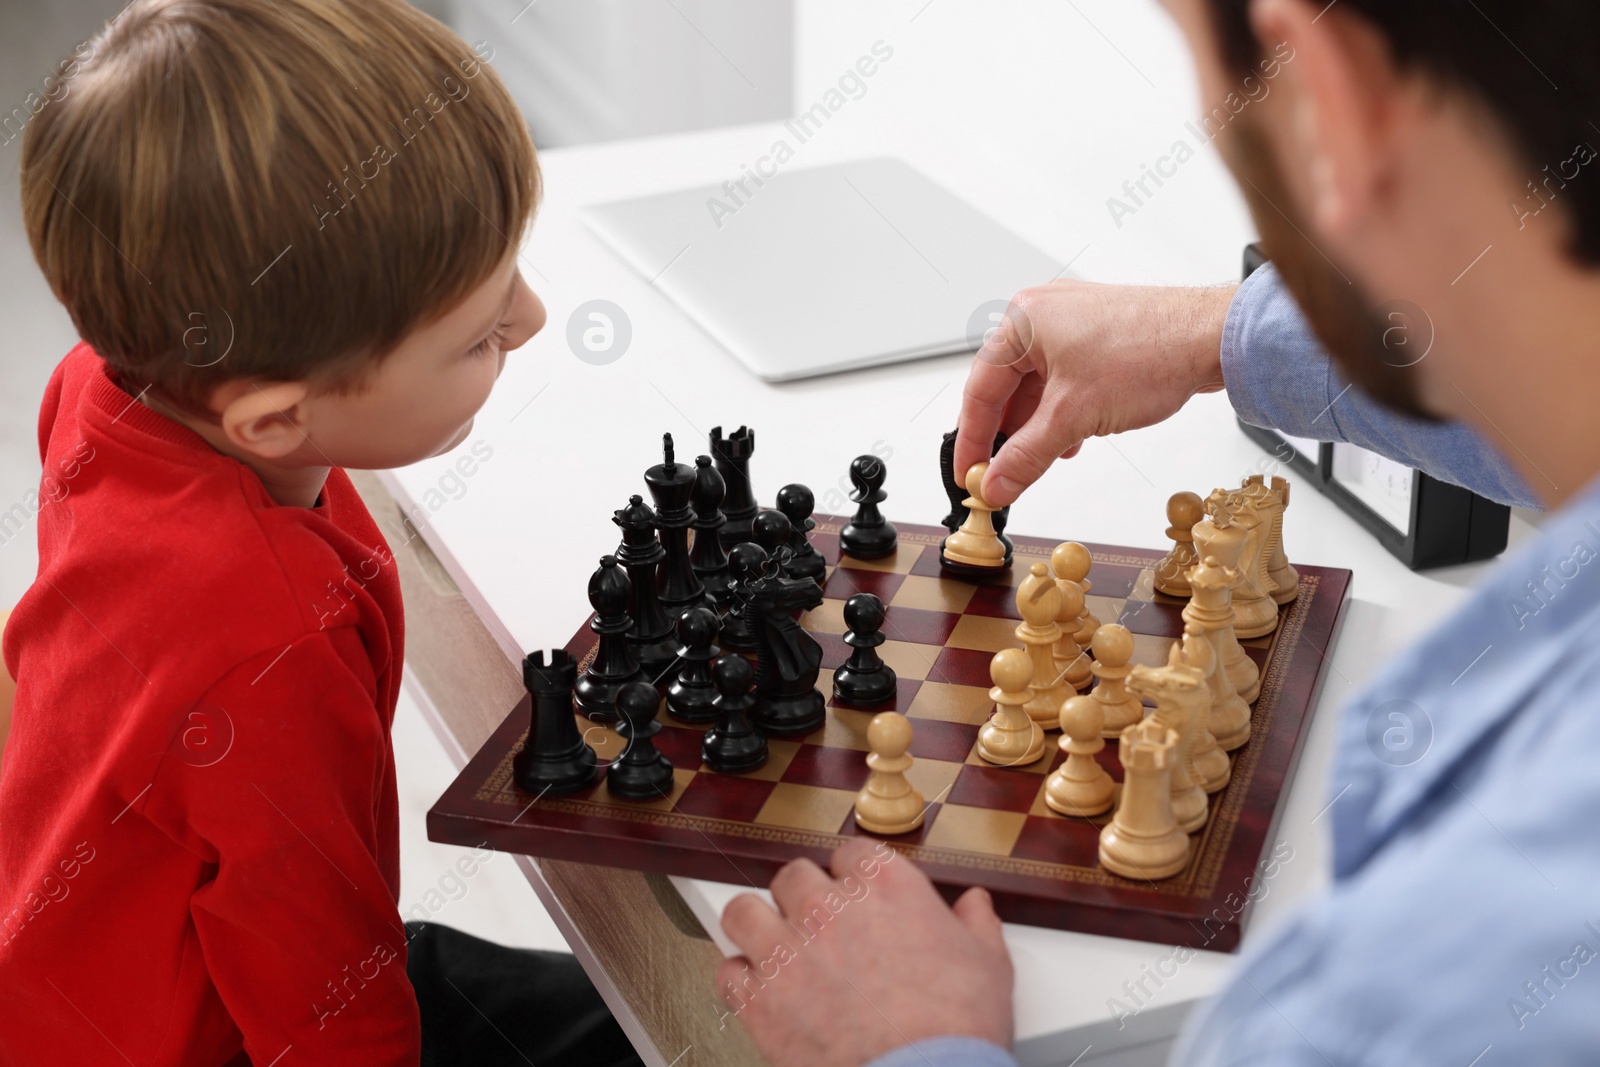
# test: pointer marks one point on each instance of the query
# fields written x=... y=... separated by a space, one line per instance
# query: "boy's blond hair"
x=281 y=189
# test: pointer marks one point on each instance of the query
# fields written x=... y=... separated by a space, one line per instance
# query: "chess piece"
x=1285 y=581
x=614 y=665
x=554 y=759
x=641 y=772
x=1209 y=615
x=1211 y=766
x=1142 y=840
x=1039 y=602
x=1080 y=786
x=1176 y=692
x=957 y=493
x=745 y=563
x=706 y=555
x=690 y=696
x=733 y=745
x=788 y=659
x=868 y=535
x=797 y=503
x=1010 y=738
x=1218 y=537
x=975 y=549
x=1071 y=561
x=671 y=483
x=1120 y=709
x=1172 y=573
x=864 y=679
x=888 y=804
x=640 y=552
x=771 y=530
x=1071 y=660
x=1255 y=613
x=732 y=457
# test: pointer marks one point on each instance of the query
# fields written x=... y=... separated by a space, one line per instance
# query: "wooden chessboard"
x=986 y=825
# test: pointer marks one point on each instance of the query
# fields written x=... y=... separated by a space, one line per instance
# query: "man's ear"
x=1339 y=91
x=266 y=419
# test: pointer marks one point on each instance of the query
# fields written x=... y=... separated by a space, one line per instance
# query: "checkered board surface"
x=985 y=825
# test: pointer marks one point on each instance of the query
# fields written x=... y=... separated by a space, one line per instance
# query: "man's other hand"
x=870 y=958
x=1074 y=360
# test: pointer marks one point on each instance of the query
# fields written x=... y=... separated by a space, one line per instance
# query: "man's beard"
x=1373 y=347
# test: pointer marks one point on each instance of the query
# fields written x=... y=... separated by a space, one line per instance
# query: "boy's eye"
x=491 y=343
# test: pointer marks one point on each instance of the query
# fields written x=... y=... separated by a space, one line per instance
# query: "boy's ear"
x=267 y=419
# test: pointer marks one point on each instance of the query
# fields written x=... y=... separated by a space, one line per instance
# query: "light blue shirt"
x=1463 y=924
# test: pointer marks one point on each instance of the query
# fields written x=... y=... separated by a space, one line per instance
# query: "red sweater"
x=199 y=843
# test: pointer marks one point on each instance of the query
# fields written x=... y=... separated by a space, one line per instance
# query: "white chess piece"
x=888 y=803
x=1010 y=738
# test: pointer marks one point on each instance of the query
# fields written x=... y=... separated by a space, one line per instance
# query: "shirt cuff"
x=947 y=1052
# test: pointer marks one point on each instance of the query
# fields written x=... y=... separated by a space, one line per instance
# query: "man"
x=1418 y=151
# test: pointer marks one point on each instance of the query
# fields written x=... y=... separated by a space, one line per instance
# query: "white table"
x=568 y=441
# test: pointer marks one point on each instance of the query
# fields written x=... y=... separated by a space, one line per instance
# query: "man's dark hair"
x=1532 y=63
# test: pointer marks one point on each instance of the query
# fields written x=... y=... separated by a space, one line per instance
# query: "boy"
x=286 y=231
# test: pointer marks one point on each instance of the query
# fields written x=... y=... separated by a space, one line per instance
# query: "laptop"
x=827 y=269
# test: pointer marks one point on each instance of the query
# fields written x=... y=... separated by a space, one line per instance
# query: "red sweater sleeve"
x=273 y=782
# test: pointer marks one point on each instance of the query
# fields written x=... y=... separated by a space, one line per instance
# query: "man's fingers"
x=1056 y=427
x=798 y=882
x=753 y=926
x=983 y=405
x=975 y=908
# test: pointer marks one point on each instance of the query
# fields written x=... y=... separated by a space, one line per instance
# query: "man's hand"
x=1075 y=360
x=854 y=965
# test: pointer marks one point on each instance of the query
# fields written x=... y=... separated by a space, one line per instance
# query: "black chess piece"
x=690 y=695
x=614 y=665
x=554 y=759
x=707 y=556
x=771 y=530
x=733 y=745
x=869 y=535
x=797 y=503
x=864 y=680
x=788 y=659
x=957 y=492
x=641 y=772
x=640 y=552
x=745 y=564
x=732 y=457
x=671 y=484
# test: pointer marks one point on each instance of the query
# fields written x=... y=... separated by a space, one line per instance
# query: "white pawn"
x=1080 y=786
x=1071 y=661
x=1039 y=602
x=976 y=544
x=1113 y=648
x=1071 y=561
x=888 y=803
x=1010 y=738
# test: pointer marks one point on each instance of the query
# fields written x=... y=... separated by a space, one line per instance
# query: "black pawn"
x=957 y=492
x=733 y=745
x=745 y=564
x=869 y=535
x=554 y=759
x=670 y=484
x=771 y=530
x=651 y=631
x=797 y=503
x=864 y=680
x=640 y=773
x=707 y=556
x=614 y=664
x=732 y=455
x=690 y=695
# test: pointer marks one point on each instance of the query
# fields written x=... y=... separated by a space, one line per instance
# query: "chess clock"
x=1422 y=521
